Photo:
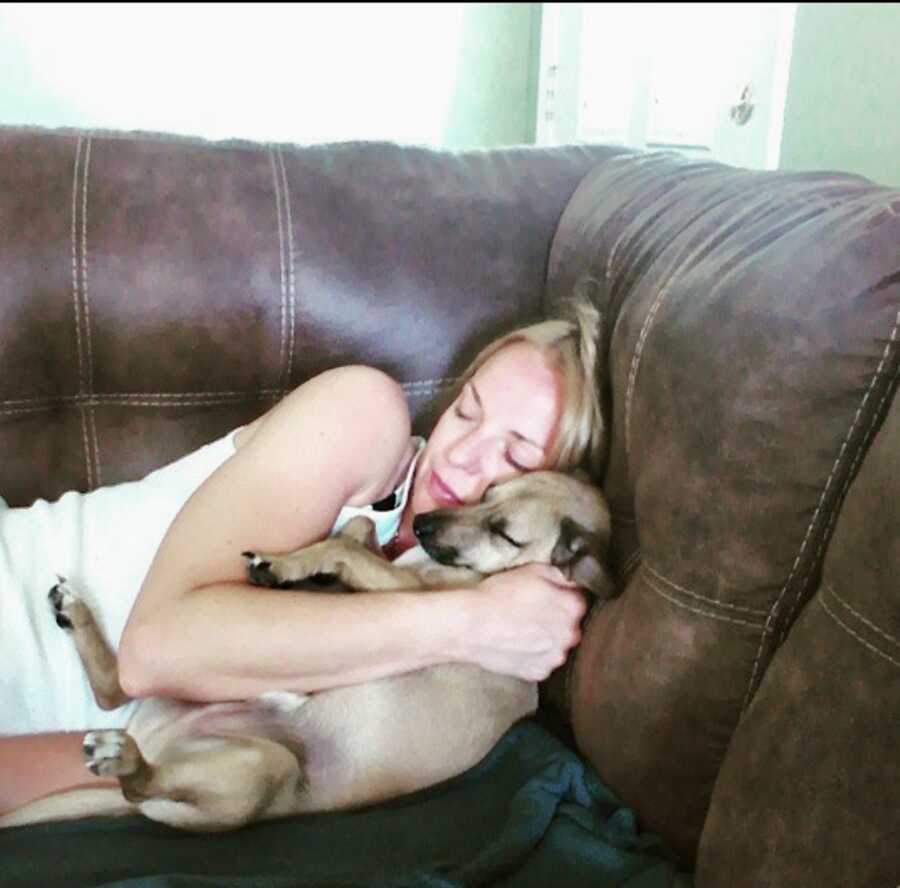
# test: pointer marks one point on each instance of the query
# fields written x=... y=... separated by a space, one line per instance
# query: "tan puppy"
x=219 y=766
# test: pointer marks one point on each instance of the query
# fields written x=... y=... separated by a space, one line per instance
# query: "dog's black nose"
x=425 y=526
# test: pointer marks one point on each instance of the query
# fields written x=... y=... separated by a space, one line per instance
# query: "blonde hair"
x=572 y=345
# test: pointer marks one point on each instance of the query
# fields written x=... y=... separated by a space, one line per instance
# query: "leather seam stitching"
x=277 y=185
x=100 y=396
x=860 y=453
x=700 y=611
x=289 y=224
x=775 y=607
x=14 y=407
x=885 y=635
x=636 y=360
x=858 y=637
x=76 y=303
x=611 y=258
x=759 y=612
x=85 y=295
x=89 y=404
x=858 y=456
x=630 y=563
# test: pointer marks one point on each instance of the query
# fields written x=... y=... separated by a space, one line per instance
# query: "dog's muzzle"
x=426 y=527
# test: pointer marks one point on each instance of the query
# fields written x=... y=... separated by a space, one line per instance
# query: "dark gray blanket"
x=531 y=814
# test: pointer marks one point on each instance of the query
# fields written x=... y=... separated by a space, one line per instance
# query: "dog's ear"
x=582 y=475
x=361 y=529
x=580 y=555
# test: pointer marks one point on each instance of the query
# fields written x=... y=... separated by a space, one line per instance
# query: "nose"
x=425 y=526
x=467 y=452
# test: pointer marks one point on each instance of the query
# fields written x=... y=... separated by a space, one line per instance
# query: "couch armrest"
x=809 y=793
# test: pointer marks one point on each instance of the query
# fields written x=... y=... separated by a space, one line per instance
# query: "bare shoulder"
x=357 y=414
x=336 y=439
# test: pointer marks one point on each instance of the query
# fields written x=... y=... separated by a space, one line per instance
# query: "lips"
x=440 y=492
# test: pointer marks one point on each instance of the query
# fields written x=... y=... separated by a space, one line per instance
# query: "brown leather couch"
x=743 y=692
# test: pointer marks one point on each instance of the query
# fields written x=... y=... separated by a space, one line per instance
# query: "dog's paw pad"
x=67 y=607
x=110 y=753
x=260 y=571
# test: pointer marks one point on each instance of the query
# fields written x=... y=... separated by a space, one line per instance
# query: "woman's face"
x=502 y=424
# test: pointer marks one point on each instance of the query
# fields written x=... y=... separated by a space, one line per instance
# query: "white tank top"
x=103 y=543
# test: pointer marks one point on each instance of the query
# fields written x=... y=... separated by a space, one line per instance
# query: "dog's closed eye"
x=498 y=528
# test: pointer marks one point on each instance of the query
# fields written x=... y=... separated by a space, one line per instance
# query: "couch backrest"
x=157 y=291
x=752 y=337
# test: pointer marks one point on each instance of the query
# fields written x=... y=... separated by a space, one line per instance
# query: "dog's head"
x=544 y=517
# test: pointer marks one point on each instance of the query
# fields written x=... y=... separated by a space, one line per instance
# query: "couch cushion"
x=813 y=765
x=751 y=327
x=156 y=292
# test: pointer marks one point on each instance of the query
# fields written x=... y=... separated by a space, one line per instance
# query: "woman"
x=196 y=630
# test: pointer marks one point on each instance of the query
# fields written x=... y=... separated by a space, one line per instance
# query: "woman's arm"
x=35 y=765
x=234 y=643
x=198 y=631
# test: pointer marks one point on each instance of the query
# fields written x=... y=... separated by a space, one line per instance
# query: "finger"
x=581 y=604
x=545 y=572
x=575 y=605
x=558 y=578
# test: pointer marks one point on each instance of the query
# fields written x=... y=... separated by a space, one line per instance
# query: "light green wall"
x=843 y=99
x=495 y=96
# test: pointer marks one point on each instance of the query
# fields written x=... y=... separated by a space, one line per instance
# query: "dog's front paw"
x=296 y=571
x=110 y=753
x=260 y=571
x=320 y=563
x=68 y=609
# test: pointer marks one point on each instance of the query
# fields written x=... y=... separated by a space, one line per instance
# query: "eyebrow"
x=517 y=435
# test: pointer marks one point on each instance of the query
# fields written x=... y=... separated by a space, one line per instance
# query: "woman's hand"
x=524 y=622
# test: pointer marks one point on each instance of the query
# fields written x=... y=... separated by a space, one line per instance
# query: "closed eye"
x=499 y=529
x=516 y=465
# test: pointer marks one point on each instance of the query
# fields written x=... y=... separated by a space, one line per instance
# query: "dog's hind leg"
x=97 y=657
x=203 y=783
